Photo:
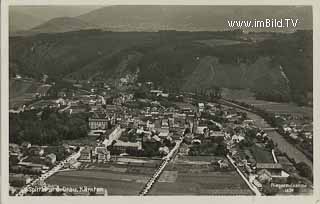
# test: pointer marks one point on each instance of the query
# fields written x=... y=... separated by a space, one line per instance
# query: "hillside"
x=278 y=68
x=62 y=24
x=190 y=18
x=24 y=18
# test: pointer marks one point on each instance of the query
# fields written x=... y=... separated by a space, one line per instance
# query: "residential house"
x=237 y=138
x=36 y=151
x=275 y=169
x=102 y=154
x=19 y=180
x=72 y=164
x=26 y=145
x=51 y=159
x=85 y=154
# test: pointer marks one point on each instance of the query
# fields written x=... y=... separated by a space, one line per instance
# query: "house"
x=275 y=169
x=201 y=107
x=36 y=151
x=201 y=129
x=257 y=184
x=216 y=136
x=163 y=133
x=164 y=150
x=184 y=149
x=26 y=145
x=72 y=164
x=223 y=164
x=14 y=148
x=19 y=180
x=102 y=153
x=51 y=158
x=237 y=138
x=85 y=154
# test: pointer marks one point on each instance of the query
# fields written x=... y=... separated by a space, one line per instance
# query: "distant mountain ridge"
x=174 y=60
x=191 y=18
x=62 y=24
x=152 y=18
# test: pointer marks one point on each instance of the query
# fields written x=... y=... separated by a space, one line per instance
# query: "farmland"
x=195 y=176
x=218 y=42
x=117 y=179
x=248 y=97
x=261 y=155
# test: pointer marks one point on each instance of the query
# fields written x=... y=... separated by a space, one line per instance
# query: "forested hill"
x=275 y=66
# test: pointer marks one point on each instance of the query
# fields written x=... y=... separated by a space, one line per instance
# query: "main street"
x=156 y=175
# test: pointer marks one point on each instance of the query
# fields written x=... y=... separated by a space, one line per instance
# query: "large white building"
x=98 y=123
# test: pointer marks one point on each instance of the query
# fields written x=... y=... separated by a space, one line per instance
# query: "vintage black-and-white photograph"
x=149 y=100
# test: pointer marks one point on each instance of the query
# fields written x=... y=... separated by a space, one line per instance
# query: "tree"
x=220 y=150
x=268 y=190
x=304 y=170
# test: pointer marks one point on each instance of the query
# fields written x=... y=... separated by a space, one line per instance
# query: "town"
x=135 y=138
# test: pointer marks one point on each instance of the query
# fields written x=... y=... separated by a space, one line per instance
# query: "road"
x=283 y=144
x=49 y=173
x=156 y=175
x=253 y=188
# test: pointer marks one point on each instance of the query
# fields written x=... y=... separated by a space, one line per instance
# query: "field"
x=118 y=179
x=189 y=178
x=218 y=42
x=22 y=91
x=261 y=155
x=248 y=97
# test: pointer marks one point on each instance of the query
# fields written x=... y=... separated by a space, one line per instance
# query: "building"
x=99 y=123
x=51 y=158
x=102 y=154
x=19 y=180
x=215 y=136
x=86 y=154
x=257 y=184
x=237 y=138
x=14 y=148
x=201 y=107
x=126 y=147
x=275 y=169
x=26 y=145
x=36 y=151
x=72 y=164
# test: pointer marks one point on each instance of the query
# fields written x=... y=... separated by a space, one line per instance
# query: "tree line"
x=46 y=127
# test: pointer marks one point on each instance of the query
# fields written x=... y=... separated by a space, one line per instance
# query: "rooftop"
x=269 y=166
